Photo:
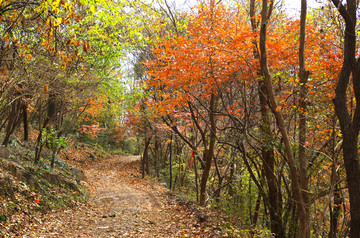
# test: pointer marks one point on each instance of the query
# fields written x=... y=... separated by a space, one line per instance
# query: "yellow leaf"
x=93 y=8
x=45 y=43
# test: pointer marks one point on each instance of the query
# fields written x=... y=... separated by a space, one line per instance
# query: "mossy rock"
x=6 y=186
x=78 y=173
x=4 y=152
x=59 y=181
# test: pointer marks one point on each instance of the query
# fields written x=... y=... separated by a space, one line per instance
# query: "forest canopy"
x=240 y=105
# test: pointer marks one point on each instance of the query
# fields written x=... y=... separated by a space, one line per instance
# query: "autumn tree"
x=58 y=56
x=268 y=132
x=204 y=63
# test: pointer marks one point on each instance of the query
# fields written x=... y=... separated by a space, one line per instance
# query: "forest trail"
x=124 y=205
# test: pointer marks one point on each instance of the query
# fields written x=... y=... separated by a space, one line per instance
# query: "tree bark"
x=304 y=218
x=267 y=151
x=51 y=115
x=209 y=152
x=25 y=122
x=13 y=120
x=256 y=210
x=335 y=213
x=145 y=157
x=294 y=174
x=170 y=162
x=350 y=125
x=335 y=208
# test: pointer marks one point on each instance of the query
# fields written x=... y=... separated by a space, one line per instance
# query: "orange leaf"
x=45 y=43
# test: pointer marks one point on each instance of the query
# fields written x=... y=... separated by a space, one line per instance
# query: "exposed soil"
x=124 y=205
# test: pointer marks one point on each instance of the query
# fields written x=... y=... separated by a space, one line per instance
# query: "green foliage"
x=44 y=166
x=3 y=217
x=51 y=140
x=112 y=29
x=128 y=146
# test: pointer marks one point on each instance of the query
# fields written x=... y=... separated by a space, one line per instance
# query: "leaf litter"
x=124 y=205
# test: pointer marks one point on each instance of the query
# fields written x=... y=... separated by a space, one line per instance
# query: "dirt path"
x=123 y=205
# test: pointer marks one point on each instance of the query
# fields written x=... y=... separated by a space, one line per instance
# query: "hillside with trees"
x=243 y=109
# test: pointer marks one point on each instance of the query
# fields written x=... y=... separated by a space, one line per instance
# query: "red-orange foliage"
x=94 y=108
x=217 y=46
x=217 y=51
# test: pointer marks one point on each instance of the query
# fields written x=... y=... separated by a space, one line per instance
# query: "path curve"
x=122 y=205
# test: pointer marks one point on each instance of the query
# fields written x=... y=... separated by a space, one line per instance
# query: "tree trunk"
x=196 y=179
x=157 y=157
x=170 y=162
x=335 y=213
x=267 y=151
x=13 y=120
x=351 y=160
x=304 y=218
x=25 y=122
x=145 y=157
x=53 y=159
x=349 y=125
x=256 y=210
x=51 y=109
x=335 y=208
x=294 y=174
x=51 y=113
x=208 y=154
x=274 y=193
